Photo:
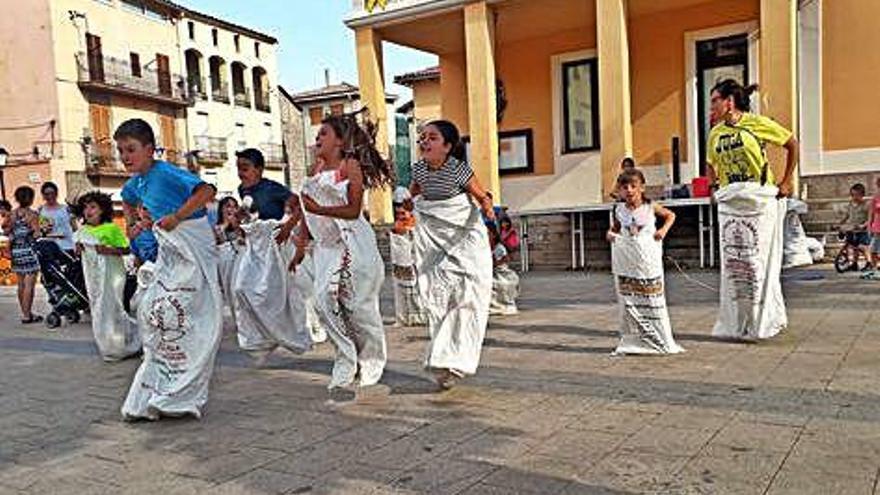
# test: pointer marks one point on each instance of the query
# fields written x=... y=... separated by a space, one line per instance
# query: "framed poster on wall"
x=516 y=153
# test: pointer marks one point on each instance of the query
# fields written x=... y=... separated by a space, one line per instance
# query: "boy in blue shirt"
x=270 y=197
x=178 y=317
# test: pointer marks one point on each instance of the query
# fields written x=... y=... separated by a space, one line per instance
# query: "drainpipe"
x=181 y=70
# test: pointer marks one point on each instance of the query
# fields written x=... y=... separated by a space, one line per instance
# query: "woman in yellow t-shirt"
x=736 y=145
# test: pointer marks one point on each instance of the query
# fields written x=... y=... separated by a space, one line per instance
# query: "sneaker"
x=447 y=379
x=341 y=395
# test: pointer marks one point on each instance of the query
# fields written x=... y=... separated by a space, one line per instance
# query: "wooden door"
x=168 y=133
x=99 y=117
x=164 y=74
x=95 y=58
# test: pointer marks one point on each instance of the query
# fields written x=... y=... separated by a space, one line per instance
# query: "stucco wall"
x=851 y=71
x=657 y=73
x=428 y=100
x=27 y=91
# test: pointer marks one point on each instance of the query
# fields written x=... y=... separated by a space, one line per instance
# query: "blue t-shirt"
x=145 y=246
x=269 y=198
x=162 y=190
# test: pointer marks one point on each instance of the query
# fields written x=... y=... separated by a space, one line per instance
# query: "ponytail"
x=741 y=94
x=452 y=137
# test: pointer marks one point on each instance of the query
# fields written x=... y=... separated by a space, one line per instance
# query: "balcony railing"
x=273 y=153
x=261 y=102
x=102 y=73
x=104 y=161
x=220 y=92
x=211 y=150
x=174 y=156
x=196 y=85
x=242 y=97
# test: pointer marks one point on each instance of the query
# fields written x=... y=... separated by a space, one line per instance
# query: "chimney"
x=326 y=77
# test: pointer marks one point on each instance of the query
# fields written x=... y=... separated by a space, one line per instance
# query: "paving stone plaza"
x=549 y=412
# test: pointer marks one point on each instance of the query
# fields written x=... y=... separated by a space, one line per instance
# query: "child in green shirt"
x=96 y=209
x=102 y=245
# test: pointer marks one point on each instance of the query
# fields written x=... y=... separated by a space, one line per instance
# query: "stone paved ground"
x=550 y=411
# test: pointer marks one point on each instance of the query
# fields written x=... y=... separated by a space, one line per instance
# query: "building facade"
x=75 y=70
x=294 y=139
x=336 y=99
x=79 y=68
x=583 y=84
x=232 y=74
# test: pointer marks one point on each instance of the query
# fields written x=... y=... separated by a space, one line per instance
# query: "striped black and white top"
x=448 y=181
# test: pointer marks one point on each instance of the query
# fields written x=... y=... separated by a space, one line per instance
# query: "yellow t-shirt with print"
x=736 y=152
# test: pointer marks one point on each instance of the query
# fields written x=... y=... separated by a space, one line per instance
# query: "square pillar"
x=778 y=71
x=615 y=119
x=371 y=80
x=483 y=126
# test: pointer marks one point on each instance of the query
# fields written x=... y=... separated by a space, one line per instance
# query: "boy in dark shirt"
x=269 y=197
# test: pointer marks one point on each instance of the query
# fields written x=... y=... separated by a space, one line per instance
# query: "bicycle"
x=842 y=262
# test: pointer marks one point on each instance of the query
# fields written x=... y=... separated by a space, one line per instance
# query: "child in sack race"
x=637 y=263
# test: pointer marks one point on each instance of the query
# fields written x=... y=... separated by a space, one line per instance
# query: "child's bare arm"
x=111 y=251
x=202 y=195
x=668 y=217
x=475 y=189
x=613 y=229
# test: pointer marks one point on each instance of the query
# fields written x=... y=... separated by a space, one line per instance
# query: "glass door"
x=717 y=59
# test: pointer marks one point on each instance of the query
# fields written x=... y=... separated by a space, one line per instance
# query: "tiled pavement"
x=549 y=412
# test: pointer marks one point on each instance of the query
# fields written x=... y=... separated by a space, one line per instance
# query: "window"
x=580 y=94
x=316 y=115
x=239 y=136
x=257 y=49
x=237 y=40
x=135 y=64
x=214 y=36
x=191 y=29
x=163 y=70
x=140 y=7
x=95 y=57
x=337 y=109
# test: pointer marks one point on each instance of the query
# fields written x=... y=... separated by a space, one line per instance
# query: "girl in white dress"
x=637 y=263
x=348 y=268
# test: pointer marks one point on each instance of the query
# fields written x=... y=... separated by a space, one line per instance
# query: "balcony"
x=112 y=75
x=242 y=97
x=211 y=151
x=220 y=92
x=197 y=87
x=274 y=155
x=104 y=162
x=261 y=102
x=173 y=156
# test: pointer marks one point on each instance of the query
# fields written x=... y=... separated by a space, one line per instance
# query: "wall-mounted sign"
x=34 y=177
x=371 y=5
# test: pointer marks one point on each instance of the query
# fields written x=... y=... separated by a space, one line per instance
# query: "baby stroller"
x=62 y=276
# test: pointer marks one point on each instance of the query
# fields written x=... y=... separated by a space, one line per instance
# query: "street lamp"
x=4 y=155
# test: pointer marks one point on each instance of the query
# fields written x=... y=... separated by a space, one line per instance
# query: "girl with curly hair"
x=102 y=245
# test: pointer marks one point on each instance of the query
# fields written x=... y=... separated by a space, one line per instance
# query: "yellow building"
x=585 y=83
x=74 y=70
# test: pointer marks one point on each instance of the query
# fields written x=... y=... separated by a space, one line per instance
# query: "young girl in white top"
x=637 y=263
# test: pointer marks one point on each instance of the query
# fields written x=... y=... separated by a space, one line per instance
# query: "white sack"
x=407 y=305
